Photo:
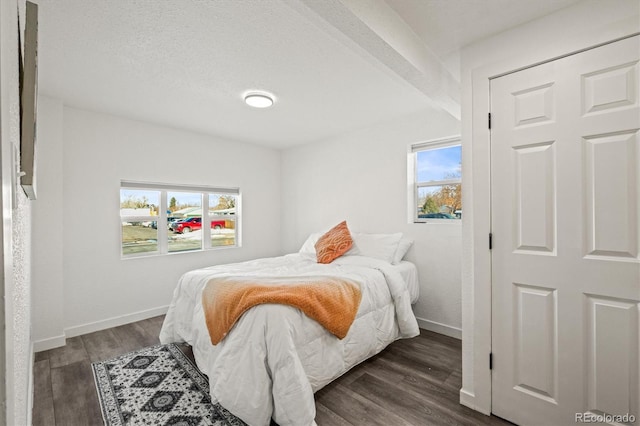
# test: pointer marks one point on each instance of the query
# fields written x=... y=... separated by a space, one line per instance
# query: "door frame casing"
x=476 y=147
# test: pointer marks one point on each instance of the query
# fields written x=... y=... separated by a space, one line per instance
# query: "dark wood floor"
x=412 y=382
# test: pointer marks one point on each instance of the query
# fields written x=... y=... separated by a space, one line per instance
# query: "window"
x=139 y=215
x=161 y=219
x=435 y=168
x=186 y=228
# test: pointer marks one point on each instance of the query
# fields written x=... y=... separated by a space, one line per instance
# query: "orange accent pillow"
x=336 y=242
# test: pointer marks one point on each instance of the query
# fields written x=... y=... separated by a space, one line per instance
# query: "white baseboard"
x=59 y=341
x=437 y=327
x=468 y=399
x=49 y=343
x=91 y=327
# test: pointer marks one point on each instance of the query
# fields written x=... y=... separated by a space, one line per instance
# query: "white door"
x=565 y=183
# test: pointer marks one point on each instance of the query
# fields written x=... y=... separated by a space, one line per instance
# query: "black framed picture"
x=28 y=101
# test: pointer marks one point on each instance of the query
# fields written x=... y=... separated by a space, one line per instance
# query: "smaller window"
x=437 y=184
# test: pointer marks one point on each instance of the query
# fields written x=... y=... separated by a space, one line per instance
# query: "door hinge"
x=490 y=240
x=490 y=360
x=489 y=121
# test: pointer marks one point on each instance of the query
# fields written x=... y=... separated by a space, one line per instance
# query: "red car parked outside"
x=193 y=224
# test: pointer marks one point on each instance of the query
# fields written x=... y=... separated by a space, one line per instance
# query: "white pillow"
x=378 y=246
x=403 y=247
x=308 y=249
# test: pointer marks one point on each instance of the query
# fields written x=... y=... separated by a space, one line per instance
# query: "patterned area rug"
x=157 y=386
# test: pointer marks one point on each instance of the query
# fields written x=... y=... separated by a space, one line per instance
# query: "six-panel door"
x=565 y=153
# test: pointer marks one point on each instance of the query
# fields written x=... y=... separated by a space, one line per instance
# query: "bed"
x=275 y=358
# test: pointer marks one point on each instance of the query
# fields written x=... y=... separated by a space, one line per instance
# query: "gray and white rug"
x=157 y=386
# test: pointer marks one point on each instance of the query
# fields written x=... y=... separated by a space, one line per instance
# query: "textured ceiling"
x=448 y=25
x=187 y=63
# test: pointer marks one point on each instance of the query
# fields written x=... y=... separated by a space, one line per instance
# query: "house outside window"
x=435 y=169
x=159 y=219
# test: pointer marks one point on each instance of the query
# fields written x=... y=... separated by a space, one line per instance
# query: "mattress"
x=409 y=274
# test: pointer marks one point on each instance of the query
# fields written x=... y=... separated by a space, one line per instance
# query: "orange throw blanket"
x=333 y=302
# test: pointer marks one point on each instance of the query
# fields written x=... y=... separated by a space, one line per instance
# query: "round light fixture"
x=259 y=100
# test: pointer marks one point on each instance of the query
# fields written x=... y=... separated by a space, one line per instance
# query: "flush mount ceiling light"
x=259 y=100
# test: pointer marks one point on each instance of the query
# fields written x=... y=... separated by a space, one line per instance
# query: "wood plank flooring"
x=412 y=382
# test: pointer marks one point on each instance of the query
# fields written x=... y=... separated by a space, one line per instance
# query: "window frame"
x=415 y=184
x=161 y=218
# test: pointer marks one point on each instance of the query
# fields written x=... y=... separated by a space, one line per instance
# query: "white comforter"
x=275 y=357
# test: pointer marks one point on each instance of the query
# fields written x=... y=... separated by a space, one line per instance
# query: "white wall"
x=361 y=177
x=17 y=355
x=47 y=231
x=586 y=24
x=98 y=288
